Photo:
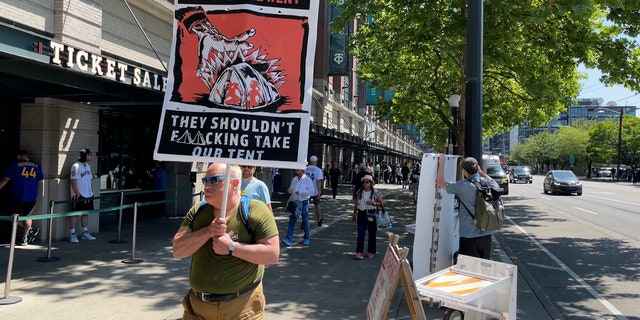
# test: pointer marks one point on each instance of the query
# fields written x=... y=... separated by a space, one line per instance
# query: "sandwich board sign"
x=394 y=267
x=239 y=87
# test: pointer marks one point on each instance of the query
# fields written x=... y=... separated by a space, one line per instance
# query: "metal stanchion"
x=133 y=241
x=7 y=286
x=49 y=258
x=119 y=240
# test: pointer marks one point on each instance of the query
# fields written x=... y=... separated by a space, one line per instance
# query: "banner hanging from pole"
x=240 y=80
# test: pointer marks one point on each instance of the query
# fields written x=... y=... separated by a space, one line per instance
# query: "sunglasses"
x=214 y=179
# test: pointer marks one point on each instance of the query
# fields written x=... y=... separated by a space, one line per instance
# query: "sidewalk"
x=319 y=281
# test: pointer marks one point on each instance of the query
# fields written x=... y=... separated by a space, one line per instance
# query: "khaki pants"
x=249 y=306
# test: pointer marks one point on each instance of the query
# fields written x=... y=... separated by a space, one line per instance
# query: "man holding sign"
x=229 y=250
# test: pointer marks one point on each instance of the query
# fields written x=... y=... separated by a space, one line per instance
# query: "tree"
x=531 y=54
x=630 y=154
x=571 y=142
x=603 y=142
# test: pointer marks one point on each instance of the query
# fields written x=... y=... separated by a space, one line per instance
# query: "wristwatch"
x=232 y=247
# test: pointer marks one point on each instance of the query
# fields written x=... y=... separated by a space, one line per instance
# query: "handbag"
x=384 y=219
x=291 y=208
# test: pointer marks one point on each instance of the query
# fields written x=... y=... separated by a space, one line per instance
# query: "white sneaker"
x=87 y=236
x=74 y=238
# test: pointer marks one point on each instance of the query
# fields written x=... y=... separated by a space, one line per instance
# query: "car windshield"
x=521 y=170
x=564 y=175
x=495 y=170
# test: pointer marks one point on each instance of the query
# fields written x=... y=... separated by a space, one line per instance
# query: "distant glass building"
x=584 y=109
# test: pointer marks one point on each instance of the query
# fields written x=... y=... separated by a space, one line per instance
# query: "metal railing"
x=15 y=218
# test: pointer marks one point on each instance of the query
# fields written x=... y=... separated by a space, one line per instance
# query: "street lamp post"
x=454 y=104
x=611 y=106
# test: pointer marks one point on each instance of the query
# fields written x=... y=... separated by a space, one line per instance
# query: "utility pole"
x=473 y=101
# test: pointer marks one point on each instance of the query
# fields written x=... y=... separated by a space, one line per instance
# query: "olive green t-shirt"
x=226 y=274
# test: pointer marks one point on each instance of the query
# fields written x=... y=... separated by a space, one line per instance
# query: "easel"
x=394 y=266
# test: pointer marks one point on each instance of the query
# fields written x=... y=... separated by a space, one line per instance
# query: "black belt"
x=208 y=297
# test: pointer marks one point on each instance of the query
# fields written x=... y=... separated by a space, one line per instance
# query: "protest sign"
x=239 y=83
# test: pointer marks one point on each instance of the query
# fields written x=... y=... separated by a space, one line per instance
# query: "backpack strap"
x=245 y=203
x=203 y=204
x=465 y=206
x=244 y=213
x=478 y=186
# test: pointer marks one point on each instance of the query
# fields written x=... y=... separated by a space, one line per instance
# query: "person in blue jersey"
x=253 y=187
x=25 y=176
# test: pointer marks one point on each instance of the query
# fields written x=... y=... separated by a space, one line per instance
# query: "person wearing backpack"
x=228 y=252
x=473 y=241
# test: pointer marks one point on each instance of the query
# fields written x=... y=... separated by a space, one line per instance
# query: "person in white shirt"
x=300 y=189
x=365 y=202
x=81 y=190
x=316 y=176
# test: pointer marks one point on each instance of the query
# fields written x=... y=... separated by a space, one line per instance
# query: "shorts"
x=316 y=200
x=87 y=204
x=21 y=208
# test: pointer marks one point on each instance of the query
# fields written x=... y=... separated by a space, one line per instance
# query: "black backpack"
x=489 y=213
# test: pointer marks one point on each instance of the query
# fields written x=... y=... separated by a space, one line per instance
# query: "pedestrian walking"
x=364 y=214
x=300 y=189
x=315 y=173
x=334 y=175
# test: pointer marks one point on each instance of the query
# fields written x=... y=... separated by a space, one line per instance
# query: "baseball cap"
x=469 y=163
x=313 y=159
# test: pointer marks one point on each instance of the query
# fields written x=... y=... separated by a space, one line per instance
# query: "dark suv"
x=498 y=174
x=520 y=174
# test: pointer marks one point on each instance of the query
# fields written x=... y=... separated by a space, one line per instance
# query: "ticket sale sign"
x=239 y=83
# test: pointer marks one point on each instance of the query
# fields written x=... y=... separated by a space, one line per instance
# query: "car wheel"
x=579 y=193
x=544 y=189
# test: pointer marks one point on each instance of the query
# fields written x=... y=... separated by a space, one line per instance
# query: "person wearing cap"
x=473 y=241
x=316 y=176
x=365 y=201
x=82 y=191
x=26 y=176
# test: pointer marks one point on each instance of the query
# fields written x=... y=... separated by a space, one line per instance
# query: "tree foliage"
x=588 y=142
x=530 y=59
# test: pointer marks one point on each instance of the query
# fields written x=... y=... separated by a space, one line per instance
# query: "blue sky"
x=593 y=88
